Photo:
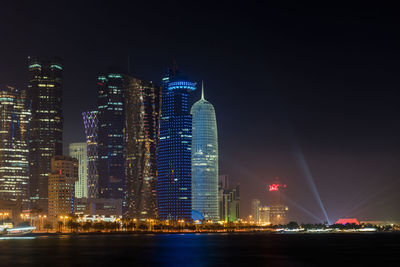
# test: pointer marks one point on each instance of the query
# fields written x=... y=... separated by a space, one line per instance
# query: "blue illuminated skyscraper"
x=174 y=150
x=204 y=159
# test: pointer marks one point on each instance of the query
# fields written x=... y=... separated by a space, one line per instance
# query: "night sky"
x=298 y=92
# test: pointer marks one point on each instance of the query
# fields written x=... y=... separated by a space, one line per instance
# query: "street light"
x=64 y=218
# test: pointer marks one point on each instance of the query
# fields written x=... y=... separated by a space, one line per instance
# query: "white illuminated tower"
x=204 y=159
x=79 y=152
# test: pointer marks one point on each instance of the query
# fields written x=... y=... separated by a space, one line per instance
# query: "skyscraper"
x=174 y=150
x=278 y=209
x=46 y=125
x=14 y=122
x=90 y=123
x=204 y=159
x=64 y=174
x=111 y=120
x=255 y=210
x=264 y=212
x=142 y=109
x=229 y=200
x=79 y=152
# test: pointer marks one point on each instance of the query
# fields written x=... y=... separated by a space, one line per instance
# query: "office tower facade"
x=230 y=204
x=204 y=159
x=14 y=124
x=278 y=209
x=223 y=181
x=64 y=174
x=255 y=210
x=110 y=127
x=264 y=212
x=229 y=200
x=79 y=152
x=174 y=150
x=142 y=114
x=98 y=207
x=90 y=122
x=46 y=125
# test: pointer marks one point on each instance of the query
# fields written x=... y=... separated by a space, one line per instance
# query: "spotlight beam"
x=303 y=209
x=300 y=157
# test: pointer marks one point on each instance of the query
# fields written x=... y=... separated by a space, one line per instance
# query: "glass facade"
x=79 y=152
x=204 y=159
x=174 y=149
x=278 y=209
x=14 y=123
x=90 y=123
x=142 y=109
x=229 y=200
x=46 y=125
x=111 y=120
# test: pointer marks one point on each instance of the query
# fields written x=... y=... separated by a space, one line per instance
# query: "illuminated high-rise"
x=110 y=127
x=14 y=123
x=255 y=210
x=90 y=122
x=46 y=125
x=229 y=200
x=278 y=209
x=79 y=152
x=264 y=212
x=142 y=114
x=62 y=178
x=204 y=159
x=174 y=149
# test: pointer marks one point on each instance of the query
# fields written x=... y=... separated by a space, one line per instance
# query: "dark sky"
x=304 y=94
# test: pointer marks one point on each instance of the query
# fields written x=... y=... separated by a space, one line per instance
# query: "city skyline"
x=323 y=99
x=197 y=133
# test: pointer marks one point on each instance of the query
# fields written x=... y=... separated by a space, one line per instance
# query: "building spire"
x=202 y=90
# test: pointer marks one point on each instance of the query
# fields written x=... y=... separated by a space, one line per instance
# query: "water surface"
x=257 y=249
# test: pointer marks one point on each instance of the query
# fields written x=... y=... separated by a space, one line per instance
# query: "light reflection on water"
x=16 y=237
x=258 y=249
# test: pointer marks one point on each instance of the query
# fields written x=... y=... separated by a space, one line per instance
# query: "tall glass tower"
x=142 y=113
x=90 y=122
x=174 y=149
x=46 y=125
x=111 y=120
x=14 y=122
x=204 y=159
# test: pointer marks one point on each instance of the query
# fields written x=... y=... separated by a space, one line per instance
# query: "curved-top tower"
x=204 y=159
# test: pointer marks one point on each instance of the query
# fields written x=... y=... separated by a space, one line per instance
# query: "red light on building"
x=273 y=187
x=346 y=221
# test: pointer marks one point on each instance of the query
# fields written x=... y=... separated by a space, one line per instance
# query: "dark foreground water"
x=204 y=250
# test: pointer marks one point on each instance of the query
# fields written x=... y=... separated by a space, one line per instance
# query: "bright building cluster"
x=276 y=212
x=149 y=154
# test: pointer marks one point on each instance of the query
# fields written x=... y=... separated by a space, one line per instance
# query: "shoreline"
x=180 y=232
